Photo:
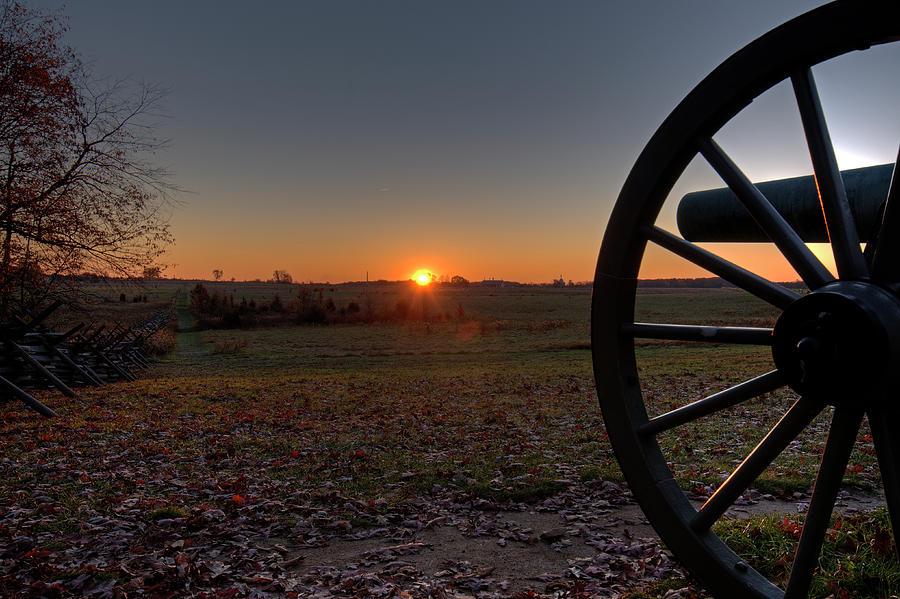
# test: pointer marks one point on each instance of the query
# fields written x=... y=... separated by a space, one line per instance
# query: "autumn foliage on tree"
x=78 y=191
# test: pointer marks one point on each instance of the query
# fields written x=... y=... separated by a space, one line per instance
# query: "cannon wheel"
x=862 y=298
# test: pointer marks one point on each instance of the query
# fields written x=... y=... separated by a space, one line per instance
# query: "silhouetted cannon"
x=718 y=215
x=835 y=348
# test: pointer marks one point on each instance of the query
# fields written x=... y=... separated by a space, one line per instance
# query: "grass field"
x=311 y=432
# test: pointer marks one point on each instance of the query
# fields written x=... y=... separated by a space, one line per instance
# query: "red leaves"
x=833 y=533
x=237 y=499
x=791 y=528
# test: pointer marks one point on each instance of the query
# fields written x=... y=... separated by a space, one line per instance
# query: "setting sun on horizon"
x=423 y=277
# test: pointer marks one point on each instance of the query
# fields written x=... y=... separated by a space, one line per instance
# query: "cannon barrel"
x=717 y=214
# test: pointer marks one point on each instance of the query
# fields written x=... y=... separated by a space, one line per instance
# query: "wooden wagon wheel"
x=838 y=346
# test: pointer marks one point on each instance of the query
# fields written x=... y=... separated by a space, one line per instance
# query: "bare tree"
x=217 y=273
x=281 y=276
x=78 y=192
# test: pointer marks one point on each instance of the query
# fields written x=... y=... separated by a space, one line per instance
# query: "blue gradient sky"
x=487 y=139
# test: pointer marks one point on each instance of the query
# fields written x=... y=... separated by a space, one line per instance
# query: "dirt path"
x=525 y=547
x=509 y=552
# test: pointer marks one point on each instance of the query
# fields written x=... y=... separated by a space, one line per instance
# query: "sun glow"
x=423 y=277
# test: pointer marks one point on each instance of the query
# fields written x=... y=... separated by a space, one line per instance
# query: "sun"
x=423 y=278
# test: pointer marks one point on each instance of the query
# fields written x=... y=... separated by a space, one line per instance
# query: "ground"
x=460 y=457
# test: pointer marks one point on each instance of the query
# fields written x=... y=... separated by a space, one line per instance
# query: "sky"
x=338 y=139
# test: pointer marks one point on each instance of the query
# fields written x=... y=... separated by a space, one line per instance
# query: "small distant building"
x=493 y=283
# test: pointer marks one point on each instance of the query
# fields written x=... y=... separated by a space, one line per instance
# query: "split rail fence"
x=33 y=356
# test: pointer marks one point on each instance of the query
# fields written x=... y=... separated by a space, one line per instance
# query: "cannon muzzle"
x=717 y=214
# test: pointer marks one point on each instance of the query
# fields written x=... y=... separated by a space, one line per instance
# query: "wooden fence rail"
x=33 y=356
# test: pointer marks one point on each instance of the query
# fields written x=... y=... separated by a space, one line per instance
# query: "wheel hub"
x=839 y=344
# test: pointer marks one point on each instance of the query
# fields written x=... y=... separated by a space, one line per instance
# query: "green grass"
x=782 y=487
x=707 y=306
x=169 y=511
x=531 y=491
x=658 y=589
x=858 y=559
x=602 y=472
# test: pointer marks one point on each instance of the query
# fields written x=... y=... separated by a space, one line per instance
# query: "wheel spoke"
x=762 y=288
x=810 y=269
x=841 y=438
x=887 y=445
x=839 y=219
x=795 y=420
x=718 y=401
x=706 y=334
x=886 y=260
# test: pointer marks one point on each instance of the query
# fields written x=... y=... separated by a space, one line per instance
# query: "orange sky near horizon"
x=474 y=261
x=763 y=259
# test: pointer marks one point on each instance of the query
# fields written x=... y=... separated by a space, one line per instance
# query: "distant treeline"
x=702 y=283
x=309 y=306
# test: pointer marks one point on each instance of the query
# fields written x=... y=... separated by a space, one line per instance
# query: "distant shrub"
x=200 y=299
x=232 y=320
x=276 y=304
x=314 y=314
x=160 y=343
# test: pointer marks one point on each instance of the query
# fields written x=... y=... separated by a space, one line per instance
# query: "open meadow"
x=316 y=460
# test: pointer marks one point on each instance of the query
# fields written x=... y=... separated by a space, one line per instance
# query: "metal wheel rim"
x=812 y=38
